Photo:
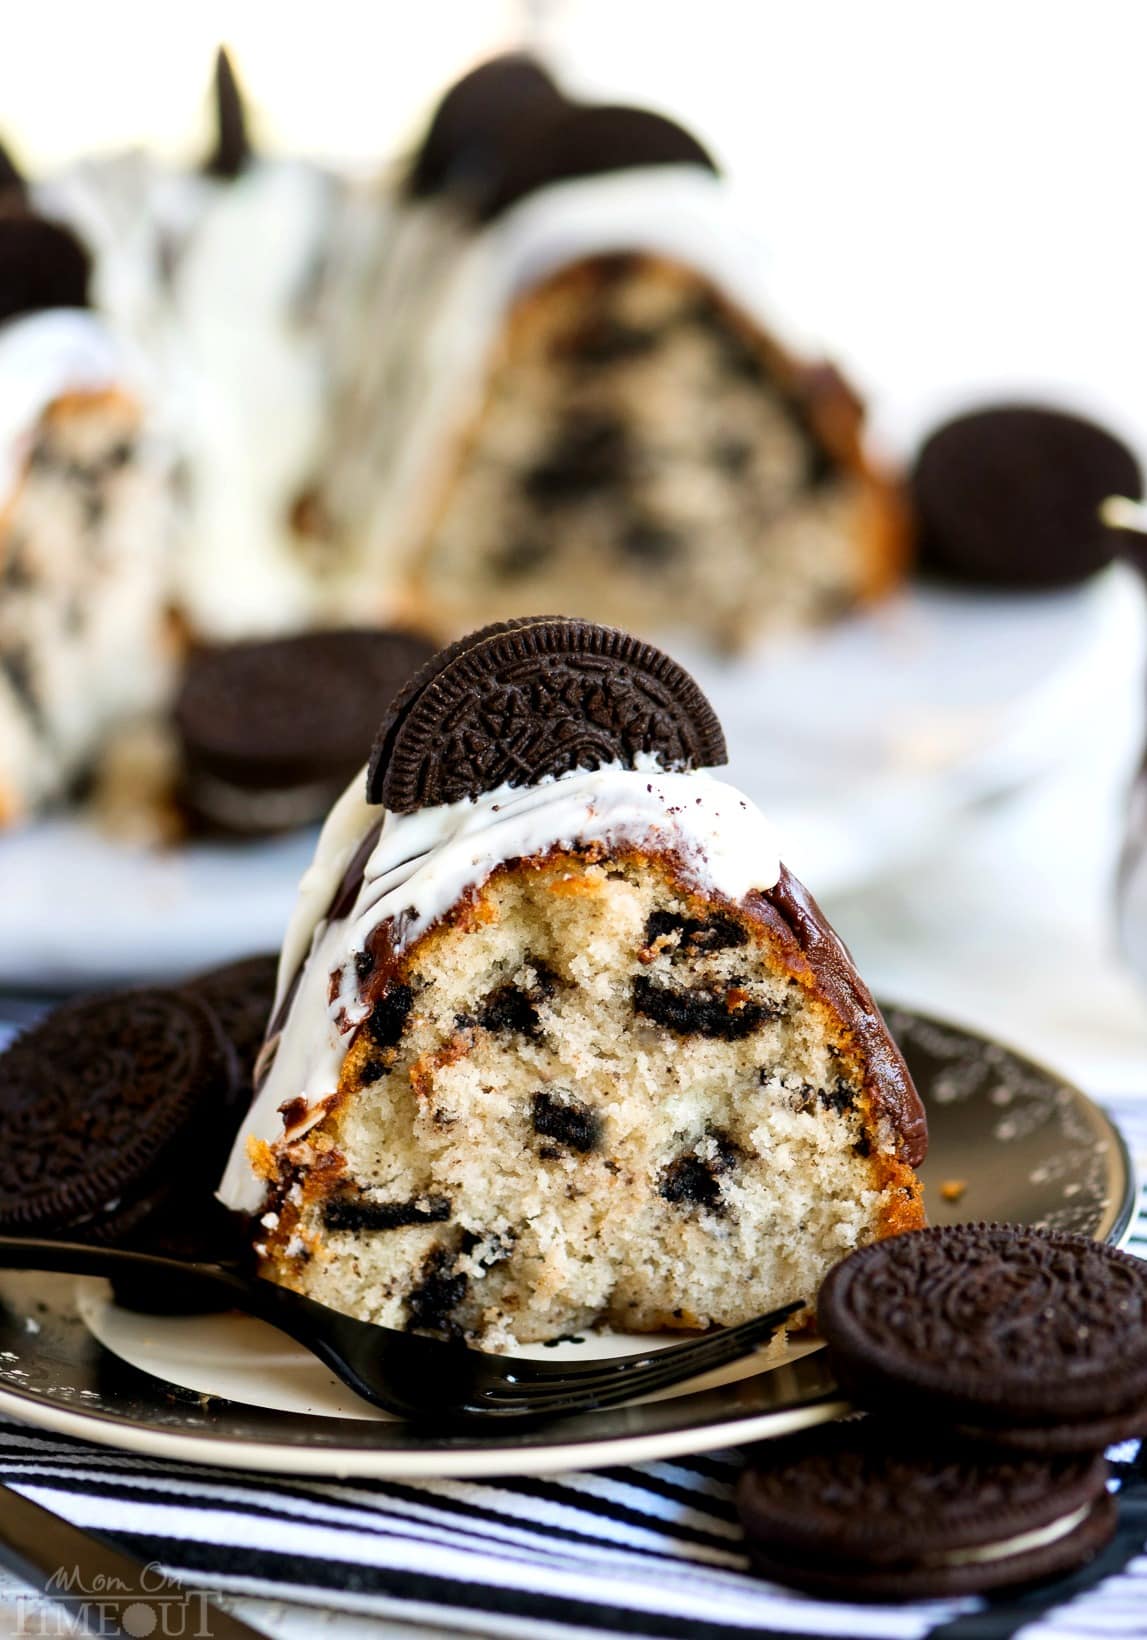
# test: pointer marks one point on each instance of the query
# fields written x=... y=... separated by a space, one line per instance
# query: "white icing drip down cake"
x=84 y=525
x=558 y=1039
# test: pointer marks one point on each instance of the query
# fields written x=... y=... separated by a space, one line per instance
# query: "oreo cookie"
x=240 y=995
x=522 y=700
x=42 y=265
x=858 y=1510
x=478 y=126
x=110 y=1107
x=271 y=730
x=1009 y=496
x=233 y=151
x=592 y=140
x=1025 y=1339
x=13 y=186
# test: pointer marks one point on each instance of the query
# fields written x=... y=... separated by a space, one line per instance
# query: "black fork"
x=420 y=1379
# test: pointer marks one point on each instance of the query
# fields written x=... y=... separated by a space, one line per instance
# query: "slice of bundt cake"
x=84 y=520
x=645 y=452
x=579 y=398
x=558 y=1039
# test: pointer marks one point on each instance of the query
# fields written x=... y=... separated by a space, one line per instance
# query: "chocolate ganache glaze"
x=790 y=910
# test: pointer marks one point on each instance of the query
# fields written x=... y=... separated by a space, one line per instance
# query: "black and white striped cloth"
x=652 y=1550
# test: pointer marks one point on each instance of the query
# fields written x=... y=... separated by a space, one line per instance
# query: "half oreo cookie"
x=579 y=140
x=539 y=696
x=478 y=126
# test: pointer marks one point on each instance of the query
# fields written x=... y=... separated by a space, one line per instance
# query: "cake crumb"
x=953 y=1189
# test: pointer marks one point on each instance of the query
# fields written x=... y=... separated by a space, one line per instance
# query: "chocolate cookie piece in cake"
x=272 y=729
x=1013 y=1335
x=595 y=1055
x=859 y=1511
x=1009 y=496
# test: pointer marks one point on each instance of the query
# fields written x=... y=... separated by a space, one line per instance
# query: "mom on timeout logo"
x=150 y=1608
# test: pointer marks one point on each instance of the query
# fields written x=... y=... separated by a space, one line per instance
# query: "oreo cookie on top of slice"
x=1009 y=496
x=1024 y=1339
x=862 y=1510
x=110 y=1107
x=539 y=696
x=271 y=730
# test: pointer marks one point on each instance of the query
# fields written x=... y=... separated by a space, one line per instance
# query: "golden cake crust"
x=308 y=1169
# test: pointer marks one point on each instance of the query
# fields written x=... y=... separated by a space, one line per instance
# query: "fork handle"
x=211 y=1286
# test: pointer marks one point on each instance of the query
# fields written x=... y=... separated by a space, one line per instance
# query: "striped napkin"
x=650 y=1550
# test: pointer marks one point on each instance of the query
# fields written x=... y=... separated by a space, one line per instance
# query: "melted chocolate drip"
x=793 y=914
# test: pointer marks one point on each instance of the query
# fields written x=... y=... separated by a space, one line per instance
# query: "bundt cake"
x=578 y=399
x=558 y=1039
x=216 y=271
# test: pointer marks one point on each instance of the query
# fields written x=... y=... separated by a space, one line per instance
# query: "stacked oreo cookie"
x=995 y=1364
x=271 y=730
x=118 y=1111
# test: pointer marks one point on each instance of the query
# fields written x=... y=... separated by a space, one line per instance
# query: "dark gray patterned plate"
x=1009 y=1141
